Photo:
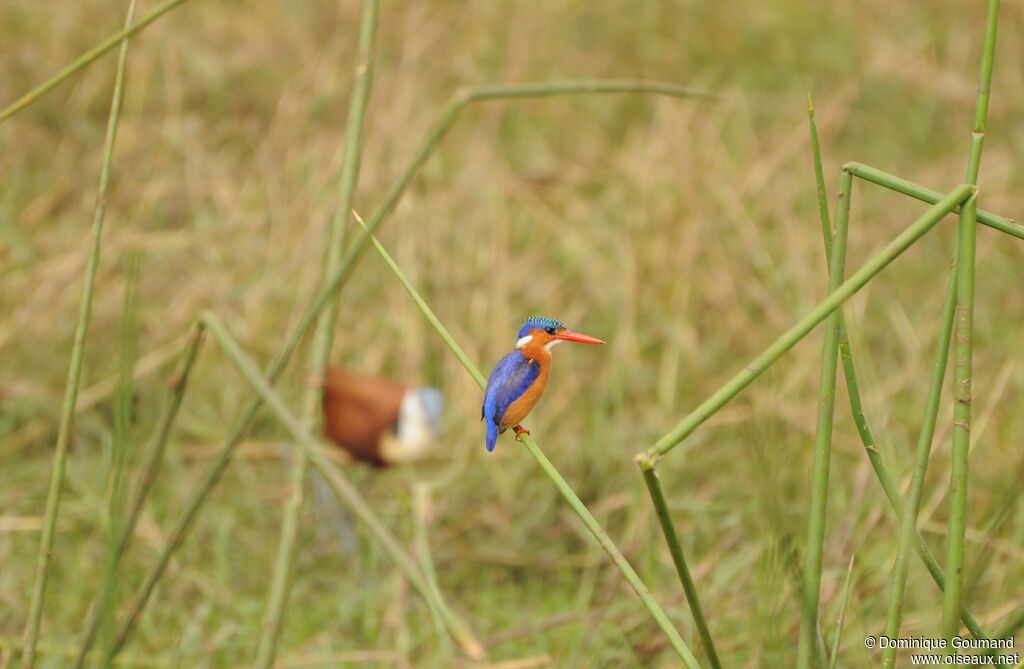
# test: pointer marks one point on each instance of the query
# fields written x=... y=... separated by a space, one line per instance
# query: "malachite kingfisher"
x=380 y=421
x=519 y=379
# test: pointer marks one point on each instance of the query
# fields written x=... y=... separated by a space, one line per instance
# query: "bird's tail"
x=492 y=435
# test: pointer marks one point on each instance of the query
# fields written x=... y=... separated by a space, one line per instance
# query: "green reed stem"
x=449 y=115
x=675 y=548
x=963 y=348
x=549 y=469
x=150 y=467
x=823 y=436
x=900 y=185
x=277 y=594
x=341 y=486
x=845 y=349
x=121 y=439
x=74 y=378
x=957 y=532
x=86 y=59
x=787 y=340
x=584 y=87
x=837 y=638
x=908 y=523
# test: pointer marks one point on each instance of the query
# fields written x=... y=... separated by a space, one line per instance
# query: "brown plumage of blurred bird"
x=380 y=421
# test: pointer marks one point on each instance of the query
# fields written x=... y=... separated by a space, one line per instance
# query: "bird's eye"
x=550 y=331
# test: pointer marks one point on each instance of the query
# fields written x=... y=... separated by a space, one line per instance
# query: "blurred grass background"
x=685 y=235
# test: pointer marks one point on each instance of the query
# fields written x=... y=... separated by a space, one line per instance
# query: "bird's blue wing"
x=511 y=377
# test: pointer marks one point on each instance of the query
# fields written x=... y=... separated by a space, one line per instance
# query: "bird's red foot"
x=520 y=431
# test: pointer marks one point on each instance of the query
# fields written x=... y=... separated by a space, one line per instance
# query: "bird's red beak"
x=569 y=335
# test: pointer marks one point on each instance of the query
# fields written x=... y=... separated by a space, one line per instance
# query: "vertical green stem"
x=74 y=378
x=823 y=438
x=119 y=445
x=679 y=558
x=963 y=348
x=908 y=523
x=277 y=597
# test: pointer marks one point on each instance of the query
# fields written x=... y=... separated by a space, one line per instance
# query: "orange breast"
x=517 y=411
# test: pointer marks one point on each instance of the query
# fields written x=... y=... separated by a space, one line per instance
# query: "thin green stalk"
x=74 y=378
x=122 y=435
x=837 y=638
x=900 y=185
x=420 y=518
x=679 y=558
x=277 y=594
x=963 y=348
x=787 y=340
x=957 y=533
x=585 y=87
x=150 y=467
x=823 y=436
x=86 y=59
x=337 y=281
x=908 y=523
x=549 y=469
x=845 y=350
x=341 y=486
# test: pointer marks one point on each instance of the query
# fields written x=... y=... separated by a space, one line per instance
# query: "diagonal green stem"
x=1007 y=631
x=86 y=59
x=337 y=281
x=787 y=340
x=675 y=548
x=549 y=469
x=277 y=594
x=823 y=436
x=900 y=185
x=963 y=348
x=908 y=524
x=838 y=637
x=341 y=486
x=74 y=378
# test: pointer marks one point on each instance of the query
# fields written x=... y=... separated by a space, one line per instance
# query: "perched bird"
x=380 y=421
x=518 y=380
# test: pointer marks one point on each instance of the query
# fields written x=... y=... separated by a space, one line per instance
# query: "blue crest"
x=538 y=322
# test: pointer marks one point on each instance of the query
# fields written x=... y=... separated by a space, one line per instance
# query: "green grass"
x=686 y=237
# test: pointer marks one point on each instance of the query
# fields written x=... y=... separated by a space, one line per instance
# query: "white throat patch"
x=523 y=341
x=551 y=344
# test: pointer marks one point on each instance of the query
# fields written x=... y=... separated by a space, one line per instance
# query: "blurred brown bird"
x=380 y=421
